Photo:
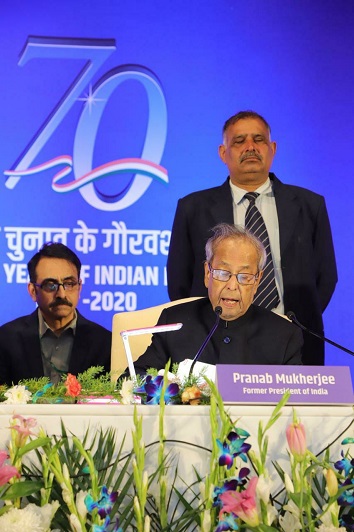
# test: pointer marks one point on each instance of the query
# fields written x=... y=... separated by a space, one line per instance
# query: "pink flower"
x=23 y=428
x=296 y=436
x=6 y=471
x=242 y=503
x=73 y=387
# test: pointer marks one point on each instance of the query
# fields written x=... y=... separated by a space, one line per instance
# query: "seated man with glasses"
x=54 y=339
x=246 y=333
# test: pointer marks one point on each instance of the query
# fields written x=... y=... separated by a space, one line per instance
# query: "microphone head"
x=218 y=310
x=291 y=315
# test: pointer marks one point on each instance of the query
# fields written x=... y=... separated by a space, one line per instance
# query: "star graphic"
x=90 y=99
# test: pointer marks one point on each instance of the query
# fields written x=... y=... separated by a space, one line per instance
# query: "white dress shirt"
x=265 y=203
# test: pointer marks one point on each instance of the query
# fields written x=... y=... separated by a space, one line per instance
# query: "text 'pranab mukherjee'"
x=282 y=378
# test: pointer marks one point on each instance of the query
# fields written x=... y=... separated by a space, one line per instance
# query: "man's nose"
x=232 y=283
x=60 y=291
x=250 y=145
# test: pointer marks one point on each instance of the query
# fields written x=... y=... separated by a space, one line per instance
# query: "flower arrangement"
x=91 y=382
x=63 y=486
x=317 y=494
x=193 y=390
x=66 y=484
x=94 y=385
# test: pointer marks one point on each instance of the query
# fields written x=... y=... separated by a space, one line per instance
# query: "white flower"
x=329 y=511
x=75 y=523
x=80 y=503
x=292 y=508
x=66 y=493
x=136 y=505
x=47 y=511
x=17 y=395
x=126 y=392
x=147 y=524
x=66 y=473
x=206 y=521
x=145 y=481
x=289 y=486
x=171 y=377
x=272 y=513
x=32 y=517
x=263 y=488
x=264 y=485
x=289 y=522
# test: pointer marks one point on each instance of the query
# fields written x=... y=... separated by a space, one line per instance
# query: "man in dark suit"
x=296 y=220
x=55 y=338
x=246 y=334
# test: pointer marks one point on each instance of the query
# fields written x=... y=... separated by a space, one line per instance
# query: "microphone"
x=292 y=317
x=218 y=311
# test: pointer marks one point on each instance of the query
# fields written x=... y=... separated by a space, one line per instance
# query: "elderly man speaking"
x=246 y=333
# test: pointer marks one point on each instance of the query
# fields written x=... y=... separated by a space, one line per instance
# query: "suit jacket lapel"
x=287 y=209
x=32 y=346
x=79 y=351
x=221 y=208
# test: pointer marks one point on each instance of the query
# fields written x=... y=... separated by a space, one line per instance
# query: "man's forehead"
x=248 y=126
x=55 y=268
x=230 y=251
x=240 y=266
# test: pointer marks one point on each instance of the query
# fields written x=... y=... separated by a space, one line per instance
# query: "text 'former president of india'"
x=246 y=334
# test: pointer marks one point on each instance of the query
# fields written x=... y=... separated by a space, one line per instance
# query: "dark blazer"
x=20 y=349
x=258 y=337
x=307 y=254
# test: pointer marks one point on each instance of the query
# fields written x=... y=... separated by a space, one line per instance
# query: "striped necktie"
x=267 y=294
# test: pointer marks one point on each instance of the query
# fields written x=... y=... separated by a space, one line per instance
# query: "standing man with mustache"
x=55 y=338
x=299 y=246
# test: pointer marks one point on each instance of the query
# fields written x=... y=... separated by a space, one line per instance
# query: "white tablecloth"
x=189 y=424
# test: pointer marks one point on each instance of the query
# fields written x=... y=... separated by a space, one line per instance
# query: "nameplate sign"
x=267 y=384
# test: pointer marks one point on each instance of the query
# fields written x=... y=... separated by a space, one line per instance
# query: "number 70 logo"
x=95 y=52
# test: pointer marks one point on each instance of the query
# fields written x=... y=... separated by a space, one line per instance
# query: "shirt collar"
x=44 y=327
x=238 y=193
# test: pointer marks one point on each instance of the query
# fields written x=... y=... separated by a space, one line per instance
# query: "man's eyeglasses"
x=53 y=286
x=242 y=278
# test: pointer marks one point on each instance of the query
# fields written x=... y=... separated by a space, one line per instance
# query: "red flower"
x=73 y=387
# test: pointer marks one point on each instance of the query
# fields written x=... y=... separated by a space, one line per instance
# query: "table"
x=189 y=424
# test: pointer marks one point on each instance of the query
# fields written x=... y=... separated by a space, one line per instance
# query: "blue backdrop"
x=112 y=110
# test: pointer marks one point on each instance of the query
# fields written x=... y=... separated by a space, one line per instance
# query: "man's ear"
x=258 y=280
x=222 y=152
x=206 y=274
x=32 y=291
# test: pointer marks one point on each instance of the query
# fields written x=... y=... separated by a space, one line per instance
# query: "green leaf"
x=34 y=444
x=21 y=489
x=300 y=499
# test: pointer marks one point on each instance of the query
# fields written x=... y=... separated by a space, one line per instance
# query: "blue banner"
x=111 y=111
